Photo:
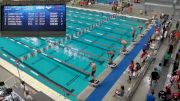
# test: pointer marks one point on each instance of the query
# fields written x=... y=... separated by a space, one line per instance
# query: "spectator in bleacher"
x=154 y=76
x=131 y=68
x=150 y=96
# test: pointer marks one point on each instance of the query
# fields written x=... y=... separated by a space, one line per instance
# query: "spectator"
x=143 y=55
x=168 y=93
x=138 y=66
x=167 y=57
x=120 y=92
x=170 y=49
x=162 y=95
x=27 y=96
x=22 y=85
x=150 y=96
x=131 y=68
x=158 y=67
x=175 y=65
x=177 y=25
x=154 y=76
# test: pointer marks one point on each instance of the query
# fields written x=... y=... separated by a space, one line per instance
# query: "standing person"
x=143 y=56
x=111 y=53
x=170 y=49
x=177 y=25
x=159 y=66
x=131 y=69
x=93 y=71
x=27 y=96
x=168 y=93
x=138 y=66
x=154 y=77
x=133 y=33
x=145 y=12
x=140 y=29
x=150 y=96
x=176 y=64
x=167 y=57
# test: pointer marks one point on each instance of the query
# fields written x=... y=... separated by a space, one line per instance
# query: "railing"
x=131 y=91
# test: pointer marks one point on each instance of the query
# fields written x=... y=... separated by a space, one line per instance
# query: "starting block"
x=112 y=65
x=94 y=83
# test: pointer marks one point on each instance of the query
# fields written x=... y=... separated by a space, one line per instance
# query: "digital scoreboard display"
x=34 y=20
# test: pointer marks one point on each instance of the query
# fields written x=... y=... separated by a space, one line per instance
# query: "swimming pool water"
x=77 y=52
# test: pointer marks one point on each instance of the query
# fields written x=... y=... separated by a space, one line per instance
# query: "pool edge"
x=32 y=81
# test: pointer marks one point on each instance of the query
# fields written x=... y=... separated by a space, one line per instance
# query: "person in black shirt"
x=170 y=49
x=154 y=76
x=177 y=25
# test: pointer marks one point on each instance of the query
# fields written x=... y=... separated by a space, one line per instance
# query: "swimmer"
x=93 y=67
x=133 y=33
x=140 y=29
x=111 y=53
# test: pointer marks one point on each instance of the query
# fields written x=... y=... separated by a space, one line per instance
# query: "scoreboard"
x=34 y=19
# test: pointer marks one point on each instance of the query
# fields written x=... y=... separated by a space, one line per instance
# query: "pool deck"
x=40 y=87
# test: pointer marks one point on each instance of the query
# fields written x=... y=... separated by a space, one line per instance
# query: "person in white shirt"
x=27 y=96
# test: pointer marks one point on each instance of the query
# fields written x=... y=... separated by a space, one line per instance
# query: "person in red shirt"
x=143 y=55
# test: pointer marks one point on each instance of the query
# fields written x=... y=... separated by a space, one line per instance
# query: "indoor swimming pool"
x=66 y=67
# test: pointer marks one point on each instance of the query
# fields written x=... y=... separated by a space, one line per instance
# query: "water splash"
x=35 y=41
x=56 y=48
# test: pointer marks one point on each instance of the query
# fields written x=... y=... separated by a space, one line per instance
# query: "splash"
x=35 y=41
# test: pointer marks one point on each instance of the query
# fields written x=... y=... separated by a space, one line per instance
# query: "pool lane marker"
x=88 y=40
x=108 y=28
x=106 y=12
x=116 y=23
x=57 y=60
x=68 y=65
x=101 y=59
x=64 y=89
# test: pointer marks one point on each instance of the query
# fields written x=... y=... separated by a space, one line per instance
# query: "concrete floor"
x=14 y=82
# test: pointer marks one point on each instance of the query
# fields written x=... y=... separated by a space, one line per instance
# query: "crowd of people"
x=166 y=94
x=124 y=6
